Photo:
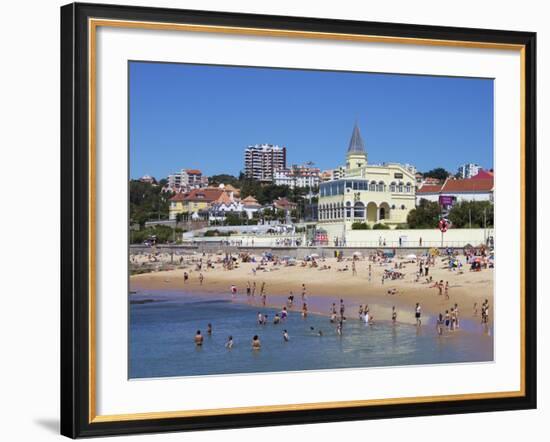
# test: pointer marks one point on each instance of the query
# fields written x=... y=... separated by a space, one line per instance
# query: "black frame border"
x=75 y=220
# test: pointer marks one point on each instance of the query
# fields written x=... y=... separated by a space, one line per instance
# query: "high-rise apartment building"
x=261 y=161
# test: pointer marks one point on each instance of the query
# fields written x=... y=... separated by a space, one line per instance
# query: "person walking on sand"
x=256 y=344
x=185 y=277
x=201 y=278
x=254 y=289
x=303 y=292
x=418 y=314
x=198 y=338
x=447 y=290
x=353 y=268
x=248 y=289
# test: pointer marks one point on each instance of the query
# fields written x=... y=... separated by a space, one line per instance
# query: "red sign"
x=443 y=225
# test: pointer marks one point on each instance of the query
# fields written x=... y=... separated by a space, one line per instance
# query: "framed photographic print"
x=274 y=220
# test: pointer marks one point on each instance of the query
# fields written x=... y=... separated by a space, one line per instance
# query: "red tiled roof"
x=207 y=195
x=178 y=197
x=428 y=188
x=283 y=203
x=250 y=201
x=479 y=185
x=483 y=175
x=193 y=171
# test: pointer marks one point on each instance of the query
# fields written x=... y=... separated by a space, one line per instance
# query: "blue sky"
x=194 y=116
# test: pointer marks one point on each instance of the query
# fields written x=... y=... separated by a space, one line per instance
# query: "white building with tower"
x=365 y=193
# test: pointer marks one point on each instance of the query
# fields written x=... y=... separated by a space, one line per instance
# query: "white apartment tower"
x=261 y=161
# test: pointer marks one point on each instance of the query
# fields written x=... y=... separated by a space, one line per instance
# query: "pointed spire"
x=356 y=144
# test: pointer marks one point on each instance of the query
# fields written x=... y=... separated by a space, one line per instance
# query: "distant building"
x=147 y=179
x=185 y=180
x=297 y=176
x=332 y=174
x=468 y=170
x=453 y=191
x=284 y=204
x=195 y=201
x=261 y=161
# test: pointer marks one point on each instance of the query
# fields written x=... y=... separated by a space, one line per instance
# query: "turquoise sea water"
x=163 y=325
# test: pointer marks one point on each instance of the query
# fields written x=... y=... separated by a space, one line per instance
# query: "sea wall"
x=418 y=237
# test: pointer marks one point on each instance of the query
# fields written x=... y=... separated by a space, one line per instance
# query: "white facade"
x=468 y=170
x=368 y=193
x=297 y=176
x=261 y=161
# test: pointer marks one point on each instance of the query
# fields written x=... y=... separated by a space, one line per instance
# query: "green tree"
x=424 y=216
x=438 y=172
x=472 y=214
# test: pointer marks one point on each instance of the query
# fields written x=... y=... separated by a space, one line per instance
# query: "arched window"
x=402 y=206
x=392 y=187
x=372 y=186
x=381 y=186
x=400 y=188
x=408 y=188
x=359 y=210
x=382 y=213
x=348 y=209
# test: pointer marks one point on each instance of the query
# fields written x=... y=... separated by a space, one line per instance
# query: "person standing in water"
x=256 y=345
x=440 y=324
x=393 y=314
x=229 y=343
x=285 y=336
x=198 y=338
x=418 y=314
x=209 y=329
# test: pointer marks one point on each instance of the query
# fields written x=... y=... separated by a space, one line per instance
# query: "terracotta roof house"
x=480 y=189
x=284 y=204
x=194 y=201
x=250 y=201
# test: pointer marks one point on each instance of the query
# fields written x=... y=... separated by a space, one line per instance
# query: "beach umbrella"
x=411 y=256
x=314 y=255
x=357 y=254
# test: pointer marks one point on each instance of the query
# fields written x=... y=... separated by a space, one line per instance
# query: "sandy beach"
x=332 y=284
